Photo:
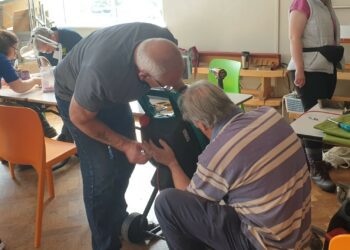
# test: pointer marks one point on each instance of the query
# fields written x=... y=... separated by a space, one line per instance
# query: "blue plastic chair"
x=231 y=81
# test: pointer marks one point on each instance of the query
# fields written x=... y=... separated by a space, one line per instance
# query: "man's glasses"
x=161 y=85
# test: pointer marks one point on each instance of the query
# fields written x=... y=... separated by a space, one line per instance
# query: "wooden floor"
x=65 y=225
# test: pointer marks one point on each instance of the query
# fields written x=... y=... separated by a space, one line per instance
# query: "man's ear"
x=143 y=75
x=203 y=128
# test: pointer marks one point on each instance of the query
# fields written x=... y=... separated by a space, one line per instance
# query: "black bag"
x=333 y=53
x=186 y=141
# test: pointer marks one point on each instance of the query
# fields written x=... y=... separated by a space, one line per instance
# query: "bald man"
x=94 y=84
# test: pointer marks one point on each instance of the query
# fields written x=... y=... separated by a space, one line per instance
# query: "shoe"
x=2 y=245
x=320 y=175
x=50 y=132
x=65 y=138
x=315 y=242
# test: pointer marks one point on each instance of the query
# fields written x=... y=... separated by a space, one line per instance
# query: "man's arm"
x=87 y=122
x=166 y=157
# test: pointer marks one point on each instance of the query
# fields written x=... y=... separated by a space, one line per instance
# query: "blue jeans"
x=105 y=174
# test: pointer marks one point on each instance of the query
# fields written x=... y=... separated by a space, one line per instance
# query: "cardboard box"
x=21 y=21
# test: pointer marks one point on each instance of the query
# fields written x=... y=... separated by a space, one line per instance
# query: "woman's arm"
x=297 y=23
x=21 y=86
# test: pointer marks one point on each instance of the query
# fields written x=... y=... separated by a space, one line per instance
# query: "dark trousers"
x=318 y=85
x=191 y=222
x=105 y=174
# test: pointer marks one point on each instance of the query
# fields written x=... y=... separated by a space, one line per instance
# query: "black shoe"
x=2 y=245
x=315 y=242
x=65 y=138
x=320 y=175
x=50 y=132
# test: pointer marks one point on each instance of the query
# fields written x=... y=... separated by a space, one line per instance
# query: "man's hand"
x=87 y=122
x=135 y=153
x=164 y=155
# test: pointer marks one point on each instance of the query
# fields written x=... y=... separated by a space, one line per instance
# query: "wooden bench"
x=264 y=66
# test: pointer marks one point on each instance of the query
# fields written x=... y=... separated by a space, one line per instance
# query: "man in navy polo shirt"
x=68 y=39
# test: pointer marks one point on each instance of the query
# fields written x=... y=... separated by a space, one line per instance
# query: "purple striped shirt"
x=257 y=163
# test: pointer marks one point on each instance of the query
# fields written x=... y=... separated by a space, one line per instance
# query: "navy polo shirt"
x=68 y=39
x=7 y=72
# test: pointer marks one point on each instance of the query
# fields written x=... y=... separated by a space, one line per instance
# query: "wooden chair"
x=22 y=141
x=340 y=242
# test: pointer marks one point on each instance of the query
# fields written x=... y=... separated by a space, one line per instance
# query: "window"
x=100 y=13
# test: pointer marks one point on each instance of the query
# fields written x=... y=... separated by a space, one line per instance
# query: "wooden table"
x=36 y=95
x=343 y=74
x=262 y=96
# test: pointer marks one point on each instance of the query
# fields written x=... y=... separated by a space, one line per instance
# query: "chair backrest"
x=340 y=242
x=231 y=81
x=21 y=136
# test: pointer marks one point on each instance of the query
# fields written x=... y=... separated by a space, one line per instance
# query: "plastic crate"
x=293 y=103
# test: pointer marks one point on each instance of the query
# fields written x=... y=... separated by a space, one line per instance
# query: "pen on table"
x=342 y=125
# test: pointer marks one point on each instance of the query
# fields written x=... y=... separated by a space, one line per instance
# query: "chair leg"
x=12 y=171
x=39 y=209
x=49 y=178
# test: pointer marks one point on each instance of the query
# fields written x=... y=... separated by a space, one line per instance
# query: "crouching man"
x=251 y=189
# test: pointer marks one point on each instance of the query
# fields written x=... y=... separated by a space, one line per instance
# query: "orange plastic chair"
x=340 y=242
x=22 y=141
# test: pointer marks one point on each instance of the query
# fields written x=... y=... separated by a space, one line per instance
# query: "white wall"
x=238 y=25
x=226 y=25
x=234 y=25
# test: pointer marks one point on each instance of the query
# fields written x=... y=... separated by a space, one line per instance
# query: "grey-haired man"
x=254 y=163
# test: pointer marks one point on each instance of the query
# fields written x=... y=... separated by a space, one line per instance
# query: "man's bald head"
x=161 y=59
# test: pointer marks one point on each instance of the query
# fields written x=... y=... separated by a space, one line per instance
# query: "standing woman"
x=313 y=24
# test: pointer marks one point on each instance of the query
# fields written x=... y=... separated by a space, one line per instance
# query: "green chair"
x=231 y=81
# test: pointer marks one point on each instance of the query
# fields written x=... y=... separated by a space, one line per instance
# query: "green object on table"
x=334 y=134
x=231 y=81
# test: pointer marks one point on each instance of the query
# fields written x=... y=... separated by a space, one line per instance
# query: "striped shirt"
x=257 y=164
